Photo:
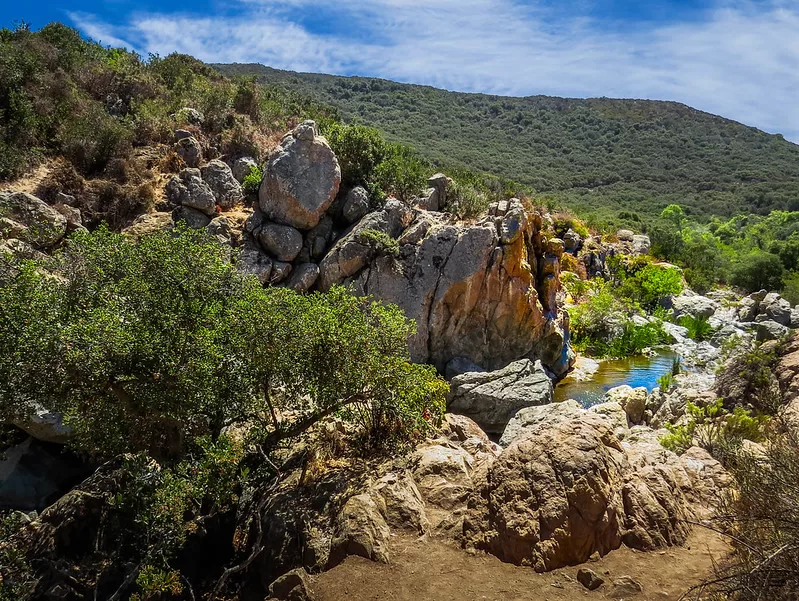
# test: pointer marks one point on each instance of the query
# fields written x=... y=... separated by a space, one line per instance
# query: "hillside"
x=597 y=155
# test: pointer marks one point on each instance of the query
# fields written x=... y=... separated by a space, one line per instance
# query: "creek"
x=634 y=371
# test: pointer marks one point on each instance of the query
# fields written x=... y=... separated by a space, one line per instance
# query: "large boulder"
x=693 y=305
x=149 y=223
x=189 y=150
x=492 y=398
x=360 y=529
x=566 y=489
x=283 y=242
x=776 y=308
x=43 y=424
x=641 y=244
x=301 y=180
x=356 y=204
x=224 y=186
x=632 y=400
x=532 y=417
x=190 y=190
x=27 y=218
x=471 y=295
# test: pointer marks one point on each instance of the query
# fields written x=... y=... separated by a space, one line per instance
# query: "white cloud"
x=739 y=60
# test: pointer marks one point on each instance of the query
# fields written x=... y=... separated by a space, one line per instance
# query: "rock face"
x=566 y=488
x=471 y=294
x=301 y=180
x=224 y=186
x=492 y=398
x=189 y=190
x=26 y=218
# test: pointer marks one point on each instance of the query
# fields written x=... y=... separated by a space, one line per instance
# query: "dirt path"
x=433 y=570
x=29 y=181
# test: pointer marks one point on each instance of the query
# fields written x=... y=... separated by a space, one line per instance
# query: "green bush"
x=379 y=241
x=252 y=181
x=402 y=173
x=466 y=201
x=359 y=151
x=698 y=327
x=149 y=344
x=790 y=290
x=650 y=284
x=758 y=270
x=715 y=429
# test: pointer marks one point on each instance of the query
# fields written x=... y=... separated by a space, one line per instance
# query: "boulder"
x=443 y=473
x=693 y=305
x=253 y=261
x=189 y=190
x=360 y=529
x=405 y=508
x=282 y=242
x=632 y=400
x=776 y=308
x=428 y=201
x=301 y=180
x=356 y=204
x=34 y=474
x=616 y=415
x=625 y=235
x=770 y=330
x=189 y=150
x=44 y=425
x=227 y=229
x=189 y=115
x=349 y=256
x=589 y=579
x=291 y=586
x=625 y=587
x=532 y=417
x=492 y=398
x=30 y=220
x=572 y=241
x=224 y=186
x=303 y=277
x=241 y=168
x=149 y=223
x=280 y=271
x=439 y=182
x=193 y=218
x=747 y=309
x=641 y=244
x=566 y=489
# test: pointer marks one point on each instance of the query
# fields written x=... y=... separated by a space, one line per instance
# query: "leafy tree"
x=149 y=344
x=359 y=150
x=758 y=270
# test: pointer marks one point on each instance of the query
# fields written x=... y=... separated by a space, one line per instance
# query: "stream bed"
x=634 y=371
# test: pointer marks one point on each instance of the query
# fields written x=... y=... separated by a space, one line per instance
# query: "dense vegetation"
x=612 y=160
x=160 y=348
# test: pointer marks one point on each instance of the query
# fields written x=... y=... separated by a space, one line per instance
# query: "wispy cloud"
x=739 y=60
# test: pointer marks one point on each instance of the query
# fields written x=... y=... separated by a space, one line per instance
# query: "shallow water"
x=634 y=371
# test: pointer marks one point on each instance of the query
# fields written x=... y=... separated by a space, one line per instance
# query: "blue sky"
x=735 y=58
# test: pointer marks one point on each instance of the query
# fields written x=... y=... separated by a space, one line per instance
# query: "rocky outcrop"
x=471 y=294
x=226 y=190
x=190 y=151
x=566 y=487
x=301 y=180
x=28 y=219
x=190 y=190
x=492 y=398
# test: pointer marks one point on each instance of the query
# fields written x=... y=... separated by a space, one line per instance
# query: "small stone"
x=624 y=587
x=589 y=579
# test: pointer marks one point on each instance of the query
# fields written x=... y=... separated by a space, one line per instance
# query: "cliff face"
x=483 y=292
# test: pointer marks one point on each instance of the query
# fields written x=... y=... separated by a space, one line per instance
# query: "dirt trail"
x=30 y=181
x=433 y=570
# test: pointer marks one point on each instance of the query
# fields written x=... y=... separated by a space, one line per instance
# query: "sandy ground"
x=434 y=570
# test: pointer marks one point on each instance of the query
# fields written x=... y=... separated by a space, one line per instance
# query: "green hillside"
x=597 y=155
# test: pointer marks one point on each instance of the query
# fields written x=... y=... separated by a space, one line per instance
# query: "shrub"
x=747 y=378
x=715 y=429
x=790 y=291
x=402 y=173
x=665 y=382
x=379 y=241
x=698 y=327
x=252 y=181
x=760 y=518
x=758 y=270
x=149 y=344
x=466 y=201
x=644 y=282
x=359 y=151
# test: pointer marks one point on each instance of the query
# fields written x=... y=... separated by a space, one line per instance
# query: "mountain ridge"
x=599 y=155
